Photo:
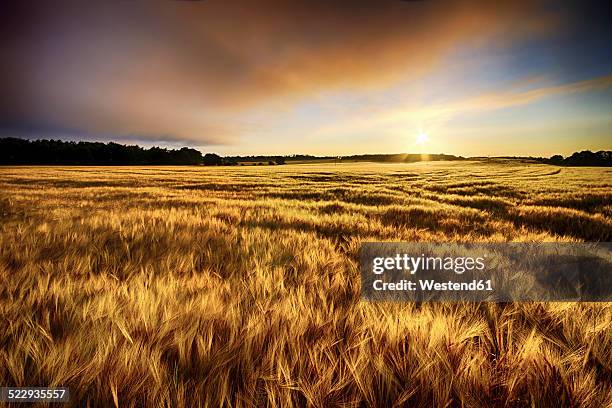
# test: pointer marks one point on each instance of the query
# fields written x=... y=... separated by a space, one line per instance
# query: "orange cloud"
x=188 y=70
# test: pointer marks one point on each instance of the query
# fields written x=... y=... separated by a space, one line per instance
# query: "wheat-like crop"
x=239 y=286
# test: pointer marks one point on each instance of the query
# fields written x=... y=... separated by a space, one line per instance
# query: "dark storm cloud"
x=179 y=68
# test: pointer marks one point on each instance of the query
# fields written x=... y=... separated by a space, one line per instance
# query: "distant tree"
x=279 y=160
x=556 y=159
x=271 y=163
x=185 y=156
x=212 y=159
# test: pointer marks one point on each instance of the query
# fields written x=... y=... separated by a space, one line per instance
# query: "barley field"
x=239 y=286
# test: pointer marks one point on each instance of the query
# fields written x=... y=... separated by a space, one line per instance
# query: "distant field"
x=238 y=286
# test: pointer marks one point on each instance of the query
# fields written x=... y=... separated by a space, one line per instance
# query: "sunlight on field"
x=239 y=285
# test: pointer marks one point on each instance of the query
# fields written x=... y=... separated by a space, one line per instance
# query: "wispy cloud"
x=435 y=115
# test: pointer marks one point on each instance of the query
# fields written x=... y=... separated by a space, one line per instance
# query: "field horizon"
x=19 y=151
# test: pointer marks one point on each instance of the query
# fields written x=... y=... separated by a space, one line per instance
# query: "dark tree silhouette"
x=21 y=151
x=211 y=159
x=556 y=159
x=602 y=158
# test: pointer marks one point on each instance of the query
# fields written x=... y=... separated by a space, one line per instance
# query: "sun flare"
x=422 y=139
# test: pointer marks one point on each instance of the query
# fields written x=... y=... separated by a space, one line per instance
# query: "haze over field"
x=326 y=78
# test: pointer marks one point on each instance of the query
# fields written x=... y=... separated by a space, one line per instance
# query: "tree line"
x=15 y=151
x=602 y=158
x=22 y=151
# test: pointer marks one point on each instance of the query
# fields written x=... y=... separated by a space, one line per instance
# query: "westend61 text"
x=430 y=284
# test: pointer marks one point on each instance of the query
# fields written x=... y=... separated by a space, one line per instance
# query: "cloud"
x=522 y=93
x=186 y=70
x=510 y=98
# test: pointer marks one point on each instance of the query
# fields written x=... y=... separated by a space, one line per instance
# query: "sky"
x=307 y=77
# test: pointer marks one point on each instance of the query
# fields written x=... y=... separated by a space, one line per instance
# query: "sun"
x=422 y=139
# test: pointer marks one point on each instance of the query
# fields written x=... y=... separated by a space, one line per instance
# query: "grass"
x=239 y=286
